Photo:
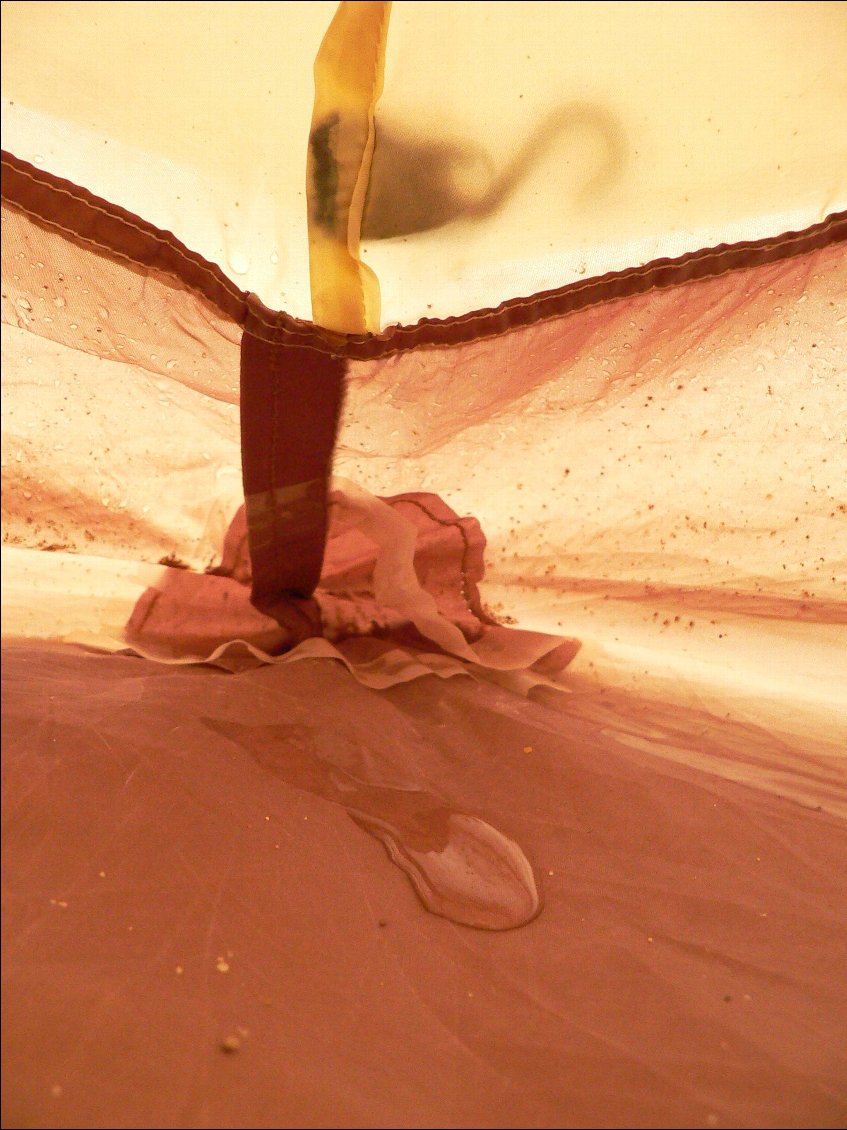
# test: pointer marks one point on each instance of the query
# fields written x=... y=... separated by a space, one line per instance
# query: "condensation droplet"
x=274 y=258
x=74 y=326
x=239 y=262
x=171 y=364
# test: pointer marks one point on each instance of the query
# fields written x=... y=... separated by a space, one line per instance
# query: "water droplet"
x=467 y=871
x=239 y=262
x=74 y=326
x=460 y=867
x=171 y=364
x=274 y=258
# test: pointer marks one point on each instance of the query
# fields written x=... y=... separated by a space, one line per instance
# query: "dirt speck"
x=174 y=562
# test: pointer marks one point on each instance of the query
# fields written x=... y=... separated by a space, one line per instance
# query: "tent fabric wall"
x=675 y=127
x=573 y=654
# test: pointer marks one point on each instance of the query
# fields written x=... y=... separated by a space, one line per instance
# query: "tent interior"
x=424 y=564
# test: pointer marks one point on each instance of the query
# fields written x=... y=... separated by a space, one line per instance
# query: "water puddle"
x=460 y=867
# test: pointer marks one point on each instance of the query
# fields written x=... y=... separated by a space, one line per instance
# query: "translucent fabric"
x=445 y=725
x=522 y=145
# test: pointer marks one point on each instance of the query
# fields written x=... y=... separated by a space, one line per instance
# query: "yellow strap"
x=348 y=81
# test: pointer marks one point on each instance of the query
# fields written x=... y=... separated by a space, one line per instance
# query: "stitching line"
x=401 y=338
x=456 y=524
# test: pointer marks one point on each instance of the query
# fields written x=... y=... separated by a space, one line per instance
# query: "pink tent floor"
x=197 y=934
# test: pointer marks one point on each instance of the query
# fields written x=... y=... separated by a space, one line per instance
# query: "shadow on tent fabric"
x=420 y=182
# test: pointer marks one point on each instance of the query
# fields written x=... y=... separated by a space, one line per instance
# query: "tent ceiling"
x=641 y=130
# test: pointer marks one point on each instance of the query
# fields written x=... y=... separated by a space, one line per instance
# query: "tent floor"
x=191 y=941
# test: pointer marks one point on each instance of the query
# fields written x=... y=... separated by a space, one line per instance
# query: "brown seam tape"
x=44 y=198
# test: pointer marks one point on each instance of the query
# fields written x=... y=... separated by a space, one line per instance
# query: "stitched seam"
x=402 y=337
x=453 y=523
x=162 y=239
x=394 y=346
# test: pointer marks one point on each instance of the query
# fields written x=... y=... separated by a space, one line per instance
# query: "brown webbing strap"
x=291 y=399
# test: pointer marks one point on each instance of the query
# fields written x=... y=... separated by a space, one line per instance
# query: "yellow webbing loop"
x=348 y=81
